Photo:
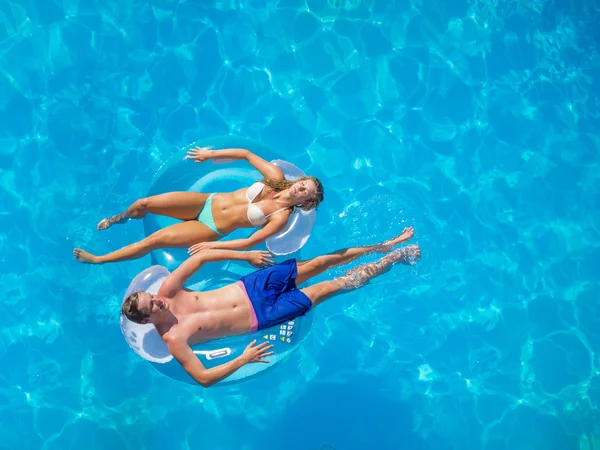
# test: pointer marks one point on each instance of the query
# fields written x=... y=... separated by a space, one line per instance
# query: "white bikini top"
x=255 y=215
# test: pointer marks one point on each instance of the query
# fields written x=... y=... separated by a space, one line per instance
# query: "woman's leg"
x=182 y=234
x=361 y=275
x=180 y=205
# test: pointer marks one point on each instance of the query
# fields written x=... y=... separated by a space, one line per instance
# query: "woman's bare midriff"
x=229 y=211
x=213 y=314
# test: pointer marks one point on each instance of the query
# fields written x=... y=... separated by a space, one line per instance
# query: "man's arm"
x=175 y=280
x=182 y=352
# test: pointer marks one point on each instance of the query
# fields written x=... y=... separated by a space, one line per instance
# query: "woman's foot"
x=85 y=257
x=109 y=221
x=388 y=245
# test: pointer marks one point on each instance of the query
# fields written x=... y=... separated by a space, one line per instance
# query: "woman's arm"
x=267 y=169
x=275 y=225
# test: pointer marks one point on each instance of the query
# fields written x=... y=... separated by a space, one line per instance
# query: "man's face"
x=151 y=304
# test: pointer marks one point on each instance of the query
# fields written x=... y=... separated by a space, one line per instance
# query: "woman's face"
x=303 y=190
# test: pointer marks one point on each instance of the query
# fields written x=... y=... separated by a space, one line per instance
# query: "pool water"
x=474 y=121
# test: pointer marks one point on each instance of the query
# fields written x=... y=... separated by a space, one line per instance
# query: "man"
x=258 y=300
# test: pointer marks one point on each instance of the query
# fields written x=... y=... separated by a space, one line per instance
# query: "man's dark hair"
x=130 y=309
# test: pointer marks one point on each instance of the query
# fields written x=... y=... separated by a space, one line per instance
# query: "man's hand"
x=260 y=259
x=199 y=154
x=256 y=354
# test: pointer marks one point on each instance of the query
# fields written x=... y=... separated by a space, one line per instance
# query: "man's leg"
x=315 y=266
x=361 y=275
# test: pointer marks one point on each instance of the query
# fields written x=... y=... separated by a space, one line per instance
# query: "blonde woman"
x=207 y=217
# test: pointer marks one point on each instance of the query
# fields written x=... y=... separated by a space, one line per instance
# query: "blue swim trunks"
x=274 y=296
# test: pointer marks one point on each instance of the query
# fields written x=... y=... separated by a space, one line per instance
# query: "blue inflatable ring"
x=180 y=174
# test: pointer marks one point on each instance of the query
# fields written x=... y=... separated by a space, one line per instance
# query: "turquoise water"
x=475 y=122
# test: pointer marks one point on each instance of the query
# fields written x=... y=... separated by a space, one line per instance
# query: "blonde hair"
x=282 y=185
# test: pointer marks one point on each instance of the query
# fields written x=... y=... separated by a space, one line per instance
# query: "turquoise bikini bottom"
x=206 y=216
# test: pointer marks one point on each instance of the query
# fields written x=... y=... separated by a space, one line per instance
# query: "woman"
x=209 y=217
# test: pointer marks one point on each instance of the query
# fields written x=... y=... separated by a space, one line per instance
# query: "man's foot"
x=84 y=257
x=388 y=245
x=109 y=221
x=409 y=255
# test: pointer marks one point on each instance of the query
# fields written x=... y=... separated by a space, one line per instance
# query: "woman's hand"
x=260 y=259
x=199 y=154
x=201 y=246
